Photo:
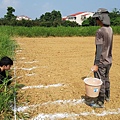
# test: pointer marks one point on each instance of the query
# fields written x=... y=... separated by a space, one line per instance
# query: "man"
x=103 y=55
x=5 y=64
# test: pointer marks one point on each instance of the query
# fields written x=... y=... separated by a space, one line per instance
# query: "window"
x=71 y=18
x=83 y=17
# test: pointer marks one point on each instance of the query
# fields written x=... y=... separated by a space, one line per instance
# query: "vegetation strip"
x=52 y=31
x=7 y=96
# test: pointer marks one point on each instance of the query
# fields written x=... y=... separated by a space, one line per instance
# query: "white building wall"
x=23 y=17
x=78 y=19
x=81 y=17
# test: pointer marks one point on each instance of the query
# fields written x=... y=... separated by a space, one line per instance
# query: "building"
x=23 y=17
x=78 y=17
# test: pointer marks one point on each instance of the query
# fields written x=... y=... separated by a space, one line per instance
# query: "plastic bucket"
x=92 y=86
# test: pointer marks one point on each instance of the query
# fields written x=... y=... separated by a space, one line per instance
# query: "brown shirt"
x=104 y=37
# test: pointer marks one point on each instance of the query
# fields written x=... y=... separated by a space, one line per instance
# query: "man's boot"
x=99 y=103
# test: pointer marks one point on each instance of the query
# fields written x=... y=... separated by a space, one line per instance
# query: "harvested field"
x=52 y=70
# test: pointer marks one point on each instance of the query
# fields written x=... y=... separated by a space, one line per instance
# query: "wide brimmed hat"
x=103 y=16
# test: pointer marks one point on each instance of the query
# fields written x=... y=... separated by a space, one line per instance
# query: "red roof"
x=64 y=18
x=76 y=14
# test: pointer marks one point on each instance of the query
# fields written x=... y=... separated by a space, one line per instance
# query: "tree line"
x=53 y=19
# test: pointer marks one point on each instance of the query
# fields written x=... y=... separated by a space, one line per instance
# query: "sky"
x=35 y=8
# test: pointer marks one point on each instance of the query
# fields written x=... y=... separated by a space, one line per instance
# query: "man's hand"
x=94 y=68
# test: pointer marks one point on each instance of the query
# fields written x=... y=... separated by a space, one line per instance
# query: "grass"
x=7 y=48
x=52 y=31
x=6 y=100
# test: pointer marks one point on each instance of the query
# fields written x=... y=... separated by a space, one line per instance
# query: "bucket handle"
x=91 y=72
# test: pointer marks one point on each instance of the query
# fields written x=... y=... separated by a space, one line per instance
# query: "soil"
x=59 y=65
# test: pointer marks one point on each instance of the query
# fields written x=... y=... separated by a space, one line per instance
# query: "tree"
x=51 y=18
x=89 y=22
x=115 y=17
x=10 y=16
x=115 y=12
x=46 y=17
x=67 y=23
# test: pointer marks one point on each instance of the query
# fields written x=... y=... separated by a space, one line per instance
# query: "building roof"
x=76 y=13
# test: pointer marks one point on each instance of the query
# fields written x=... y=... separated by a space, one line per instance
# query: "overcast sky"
x=35 y=8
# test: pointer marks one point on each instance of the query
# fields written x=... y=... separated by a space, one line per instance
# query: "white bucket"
x=92 y=86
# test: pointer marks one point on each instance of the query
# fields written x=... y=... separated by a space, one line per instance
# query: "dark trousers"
x=103 y=74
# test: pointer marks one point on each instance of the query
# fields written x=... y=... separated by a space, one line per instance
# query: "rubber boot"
x=99 y=103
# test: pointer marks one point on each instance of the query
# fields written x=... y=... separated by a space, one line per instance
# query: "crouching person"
x=5 y=64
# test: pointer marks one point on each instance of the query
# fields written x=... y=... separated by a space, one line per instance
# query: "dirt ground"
x=52 y=70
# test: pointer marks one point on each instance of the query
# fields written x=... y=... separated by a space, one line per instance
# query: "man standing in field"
x=103 y=55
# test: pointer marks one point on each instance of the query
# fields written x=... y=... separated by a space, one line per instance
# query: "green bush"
x=6 y=100
x=7 y=48
x=116 y=30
